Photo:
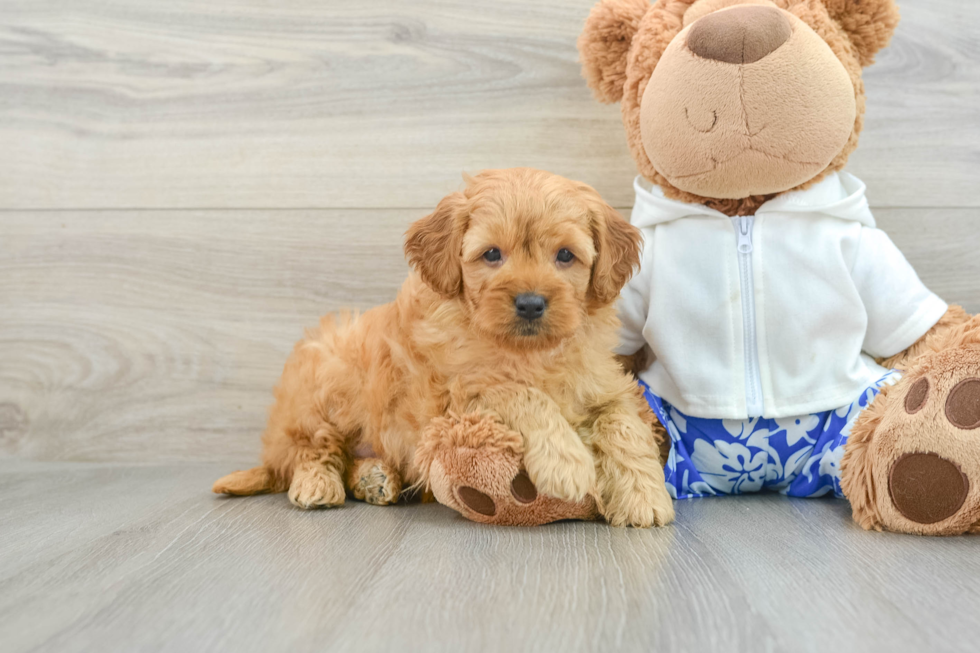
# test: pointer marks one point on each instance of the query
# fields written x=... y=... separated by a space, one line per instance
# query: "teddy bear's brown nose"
x=739 y=35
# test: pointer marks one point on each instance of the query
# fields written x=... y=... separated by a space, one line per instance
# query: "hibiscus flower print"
x=677 y=418
x=798 y=456
x=813 y=462
x=796 y=462
x=729 y=467
x=673 y=431
x=797 y=428
x=760 y=439
x=830 y=462
x=740 y=428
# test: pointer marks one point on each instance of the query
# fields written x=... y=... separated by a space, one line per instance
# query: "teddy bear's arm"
x=955 y=316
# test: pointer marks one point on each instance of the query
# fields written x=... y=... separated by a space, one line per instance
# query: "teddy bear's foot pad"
x=915 y=453
x=473 y=465
x=926 y=488
x=521 y=488
x=517 y=504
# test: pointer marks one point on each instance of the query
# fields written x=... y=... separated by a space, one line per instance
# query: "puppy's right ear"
x=434 y=246
x=605 y=43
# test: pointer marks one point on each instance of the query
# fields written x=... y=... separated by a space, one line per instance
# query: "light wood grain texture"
x=114 y=322
x=136 y=343
x=332 y=103
x=154 y=336
x=142 y=558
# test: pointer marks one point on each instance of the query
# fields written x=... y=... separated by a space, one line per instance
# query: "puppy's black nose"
x=530 y=306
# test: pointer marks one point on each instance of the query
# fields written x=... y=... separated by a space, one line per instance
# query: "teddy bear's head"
x=729 y=102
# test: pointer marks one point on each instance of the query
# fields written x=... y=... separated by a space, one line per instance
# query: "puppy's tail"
x=257 y=480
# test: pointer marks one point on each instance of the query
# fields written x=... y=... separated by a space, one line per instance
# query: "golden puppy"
x=509 y=313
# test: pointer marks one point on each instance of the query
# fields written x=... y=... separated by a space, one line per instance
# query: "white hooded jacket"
x=768 y=315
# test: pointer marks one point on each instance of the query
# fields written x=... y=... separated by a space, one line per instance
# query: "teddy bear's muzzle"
x=746 y=100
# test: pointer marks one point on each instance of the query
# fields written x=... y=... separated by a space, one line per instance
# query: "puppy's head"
x=529 y=254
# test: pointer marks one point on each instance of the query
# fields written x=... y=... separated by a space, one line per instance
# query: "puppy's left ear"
x=617 y=244
x=434 y=244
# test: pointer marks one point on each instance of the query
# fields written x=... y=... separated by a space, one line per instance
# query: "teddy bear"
x=780 y=338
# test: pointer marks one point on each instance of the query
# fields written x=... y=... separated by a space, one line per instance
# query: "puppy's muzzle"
x=530 y=306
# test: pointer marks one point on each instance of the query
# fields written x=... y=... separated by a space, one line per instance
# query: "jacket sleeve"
x=900 y=308
x=633 y=307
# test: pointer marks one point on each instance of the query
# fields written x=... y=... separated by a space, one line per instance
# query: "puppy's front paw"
x=316 y=486
x=634 y=501
x=568 y=474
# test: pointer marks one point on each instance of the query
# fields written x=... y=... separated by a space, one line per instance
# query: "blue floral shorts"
x=797 y=456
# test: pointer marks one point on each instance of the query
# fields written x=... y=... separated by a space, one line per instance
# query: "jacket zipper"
x=753 y=377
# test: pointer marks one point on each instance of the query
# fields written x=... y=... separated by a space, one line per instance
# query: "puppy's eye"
x=492 y=256
x=564 y=256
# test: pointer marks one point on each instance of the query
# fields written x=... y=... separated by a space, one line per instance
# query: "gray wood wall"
x=185 y=185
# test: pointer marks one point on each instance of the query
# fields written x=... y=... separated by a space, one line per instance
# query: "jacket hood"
x=839 y=195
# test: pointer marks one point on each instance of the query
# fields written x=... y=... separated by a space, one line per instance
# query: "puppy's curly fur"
x=452 y=341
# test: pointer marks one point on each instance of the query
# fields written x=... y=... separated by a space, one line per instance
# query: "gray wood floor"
x=185 y=186
x=100 y=557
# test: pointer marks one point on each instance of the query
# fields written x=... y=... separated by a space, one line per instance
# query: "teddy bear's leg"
x=912 y=463
x=472 y=464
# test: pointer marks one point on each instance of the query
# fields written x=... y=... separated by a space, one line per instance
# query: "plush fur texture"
x=730 y=131
x=452 y=342
x=710 y=92
x=853 y=31
x=888 y=430
x=605 y=43
x=473 y=464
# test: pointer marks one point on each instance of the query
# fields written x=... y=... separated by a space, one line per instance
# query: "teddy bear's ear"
x=605 y=42
x=869 y=24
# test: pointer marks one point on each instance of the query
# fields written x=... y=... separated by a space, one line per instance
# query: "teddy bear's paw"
x=473 y=464
x=518 y=504
x=522 y=491
x=486 y=491
x=316 y=486
x=374 y=481
x=923 y=459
